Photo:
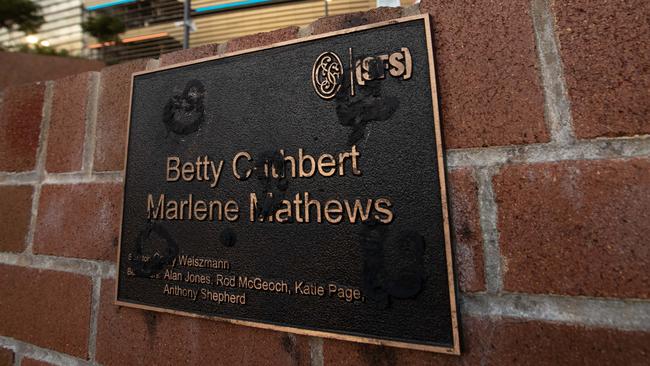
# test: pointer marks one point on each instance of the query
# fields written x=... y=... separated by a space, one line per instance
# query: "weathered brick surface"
x=21 y=113
x=144 y=337
x=342 y=21
x=262 y=39
x=576 y=228
x=15 y=214
x=466 y=226
x=487 y=71
x=46 y=308
x=79 y=221
x=507 y=342
x=188 y=54
x=68 y=123
x=20 y=67
x=6 y=357
x=604 y=47
x=113 y=114
x=32 y=362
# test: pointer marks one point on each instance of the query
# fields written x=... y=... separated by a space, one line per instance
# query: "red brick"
x=144 y=337
x=113 y=114
x=576 y=227
x=604 y=47
x=487 y=70
x=80 y=221
x=20 y=122
x=19 y=67
x=262 y=39
x=188 y=54
x=349 y=20
x=6 y=357
x=15 y=214
x=466 y=225
x=47 y=308
x=33 y=362
x=68 y=124
x=509 y=342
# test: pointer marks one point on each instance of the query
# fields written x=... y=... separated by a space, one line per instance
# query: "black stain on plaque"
x=406 y=255
x=270 y=170
x=158 y=247
x=228 y=237
x=372 y=239
x=184 y=112
x=369 y=104
x=404 y=275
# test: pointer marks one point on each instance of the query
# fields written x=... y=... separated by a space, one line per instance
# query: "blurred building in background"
x=153 y=27
x=61 y=30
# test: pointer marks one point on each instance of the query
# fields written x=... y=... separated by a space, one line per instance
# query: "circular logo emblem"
x=326 y=75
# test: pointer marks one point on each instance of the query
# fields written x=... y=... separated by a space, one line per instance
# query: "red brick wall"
x=545 y=109
x=19 y=68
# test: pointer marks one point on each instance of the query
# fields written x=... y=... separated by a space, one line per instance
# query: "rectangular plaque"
x=298 y=187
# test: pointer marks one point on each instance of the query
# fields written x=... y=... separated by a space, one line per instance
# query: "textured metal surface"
x=263 y=102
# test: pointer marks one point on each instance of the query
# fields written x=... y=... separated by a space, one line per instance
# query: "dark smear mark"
x=373 y=235
x=228 y=237
x=283 y=184
x=185 y=112
x=406 y=276
x=466 y=231
x=274 y=189
x=115 y=242
x=378 y=355
x=150 y=320
x=409 y=262
x=154 y=232
x=368 y=105
x=287 y=343
x=289 y=346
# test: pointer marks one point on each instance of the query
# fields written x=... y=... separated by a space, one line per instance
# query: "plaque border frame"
x=455 y=349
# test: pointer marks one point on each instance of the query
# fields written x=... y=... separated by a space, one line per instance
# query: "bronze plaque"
x=298 y=187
